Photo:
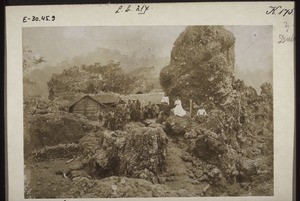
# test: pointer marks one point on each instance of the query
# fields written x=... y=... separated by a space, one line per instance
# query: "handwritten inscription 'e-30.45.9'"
x=45 y=18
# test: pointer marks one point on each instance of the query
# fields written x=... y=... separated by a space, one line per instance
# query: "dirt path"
x=178 y=171
x=44 y=182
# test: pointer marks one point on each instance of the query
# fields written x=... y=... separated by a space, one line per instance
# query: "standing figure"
x=132 y=110
x=201 y=112
x=141 y=113
x=156 y=110
x=149 y=111
x=178 y=110
x=165 y=99
x=112 y=122
x=100 y=117
x=127 y=114
x=138 y=104
x=107 y=120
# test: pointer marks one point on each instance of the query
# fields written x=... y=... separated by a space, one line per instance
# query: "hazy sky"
x=253 y=46
x=59 y=43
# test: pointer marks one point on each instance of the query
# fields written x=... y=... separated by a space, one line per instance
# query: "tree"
x=30 y=60
x=91 y=79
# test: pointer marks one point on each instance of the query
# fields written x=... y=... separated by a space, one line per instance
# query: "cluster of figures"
x=179 y=111
x=133 y=110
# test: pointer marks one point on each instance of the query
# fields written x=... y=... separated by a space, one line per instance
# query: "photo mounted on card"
x=170 y=101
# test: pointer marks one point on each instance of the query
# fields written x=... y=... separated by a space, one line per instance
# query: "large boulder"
x=138 y=152
x=201 y=66
x=177 y=126
x=144 y=151
x=212 y=149
x=51 y=129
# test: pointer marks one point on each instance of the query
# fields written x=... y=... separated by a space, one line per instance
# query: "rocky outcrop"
x=234 y=141
x=201 y=66
x=177 y=126
x=231 y=163
x=51 y=129
x=37 y=105
x=138 y=152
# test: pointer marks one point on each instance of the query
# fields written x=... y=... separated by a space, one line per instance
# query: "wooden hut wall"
x=88 y=107
x=92 y=108
x=79 y=107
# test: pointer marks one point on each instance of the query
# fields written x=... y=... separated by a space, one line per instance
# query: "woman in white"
x=178 y=110
x=165 y=99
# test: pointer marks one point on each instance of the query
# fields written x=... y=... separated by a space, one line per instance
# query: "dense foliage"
x=229 y=151
x=97 y=78
x=30 y=60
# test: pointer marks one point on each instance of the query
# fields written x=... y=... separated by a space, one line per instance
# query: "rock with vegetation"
x=69 y=151
x=137 y=152
x=232 y=136
x=45 y=125
x=97 y=78
x=177 y=126
x=201 y=66
x=118 y=187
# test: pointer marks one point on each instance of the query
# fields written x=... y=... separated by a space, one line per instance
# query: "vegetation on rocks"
x=45 y=125
x=97 y=78
x=228 y=152
x=201 y=66
x=118 y=187
x=137 y=152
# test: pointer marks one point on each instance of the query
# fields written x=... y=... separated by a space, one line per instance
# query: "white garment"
x=201 y=112
x=178 y=110
x=165 y=99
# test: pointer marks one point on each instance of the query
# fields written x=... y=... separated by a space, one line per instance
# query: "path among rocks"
x=180 y=177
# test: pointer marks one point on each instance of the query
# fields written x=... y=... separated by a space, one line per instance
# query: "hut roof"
x=106 y=98
x=145 y=98
x=103 y=98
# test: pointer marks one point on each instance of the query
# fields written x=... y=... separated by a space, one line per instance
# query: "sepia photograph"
x=148 y=111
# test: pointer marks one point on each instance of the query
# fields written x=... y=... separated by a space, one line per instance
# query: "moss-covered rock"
x=138 y=152
x=201 y=66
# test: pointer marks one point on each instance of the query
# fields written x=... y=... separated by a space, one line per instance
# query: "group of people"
x=133 y=110
x=179 y=111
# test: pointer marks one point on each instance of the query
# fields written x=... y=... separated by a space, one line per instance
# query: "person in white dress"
x=165 y=99
x=178 y=110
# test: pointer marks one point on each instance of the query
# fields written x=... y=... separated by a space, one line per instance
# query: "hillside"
x=102 y=56
x=137 y=146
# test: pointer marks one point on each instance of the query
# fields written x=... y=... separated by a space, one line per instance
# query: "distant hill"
x=100 y=55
